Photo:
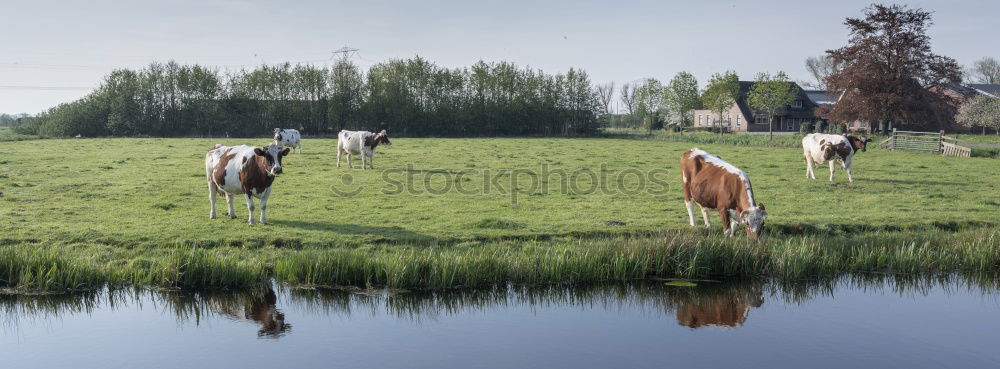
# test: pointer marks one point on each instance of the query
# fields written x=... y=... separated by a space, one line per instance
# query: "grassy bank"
x=454 y=212
x=686 y=254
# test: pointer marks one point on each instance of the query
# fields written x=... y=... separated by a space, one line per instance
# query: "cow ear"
x=259 y=151
x=285 y=151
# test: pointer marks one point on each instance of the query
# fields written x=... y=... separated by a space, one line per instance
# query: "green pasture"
x=118 y=204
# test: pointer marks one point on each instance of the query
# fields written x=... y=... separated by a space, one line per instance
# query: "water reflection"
x=725 y=305
x=718 y=304
x=258 y=306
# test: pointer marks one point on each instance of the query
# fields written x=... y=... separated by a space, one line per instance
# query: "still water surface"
x=852 y=322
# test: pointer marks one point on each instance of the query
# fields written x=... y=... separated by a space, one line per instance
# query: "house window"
x=790 y=126
x=737 y=120
x=797 y=104
x=699 y=119
x=864 y=124
x=761 y=119
x=729 y=120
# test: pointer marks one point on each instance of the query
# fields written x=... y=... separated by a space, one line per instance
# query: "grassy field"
x=458 y=212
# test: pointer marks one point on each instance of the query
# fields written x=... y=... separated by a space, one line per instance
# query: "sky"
x=57 y=51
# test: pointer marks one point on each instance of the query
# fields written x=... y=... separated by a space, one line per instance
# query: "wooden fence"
x=935 y=142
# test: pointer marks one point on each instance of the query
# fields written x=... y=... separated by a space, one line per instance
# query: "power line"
x=44 y=88
x=55 y=66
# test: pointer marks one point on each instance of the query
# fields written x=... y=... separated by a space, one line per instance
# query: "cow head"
x=858 y=143
x=277 y=134
x=272 y=154
x=753 y=220
x=381 y=138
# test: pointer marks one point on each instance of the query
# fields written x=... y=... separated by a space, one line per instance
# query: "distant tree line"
x=411 y=97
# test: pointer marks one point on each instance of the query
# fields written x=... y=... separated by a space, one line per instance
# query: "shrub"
x=806 y=127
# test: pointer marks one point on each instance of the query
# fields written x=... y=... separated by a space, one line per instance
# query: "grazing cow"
x=715 y=184
x=360 y=143
x=288 y=138
x=246 y=170
x=819 y=148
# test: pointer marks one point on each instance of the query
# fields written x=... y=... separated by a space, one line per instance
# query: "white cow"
x=819 y=148
x=288 y=138
x=246 y=170
x=360 y=143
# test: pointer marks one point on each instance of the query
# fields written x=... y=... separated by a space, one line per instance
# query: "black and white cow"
x=288 y=138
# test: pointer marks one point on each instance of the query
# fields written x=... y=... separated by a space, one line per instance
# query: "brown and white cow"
x=360 y=143
x=819 y=148
x=246 y=170
x=715 y=184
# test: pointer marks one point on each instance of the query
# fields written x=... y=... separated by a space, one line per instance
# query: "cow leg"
x=249 y=208
x=847 y=167
x=809 y=168
x=339 y=154
x=690 y=208
x=232 y=210
x=726 y=222
x=831 y=170
x=212 y=189
x=349 y=161
x=263 y=205
x=704 y=215
x=363 y=161
x=371 y=160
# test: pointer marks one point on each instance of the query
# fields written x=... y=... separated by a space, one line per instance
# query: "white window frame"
x=737 y=120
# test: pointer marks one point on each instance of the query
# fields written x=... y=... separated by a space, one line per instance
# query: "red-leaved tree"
x=887 y=72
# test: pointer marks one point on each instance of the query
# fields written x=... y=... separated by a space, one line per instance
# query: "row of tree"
x=411 y=97
x=886 y=73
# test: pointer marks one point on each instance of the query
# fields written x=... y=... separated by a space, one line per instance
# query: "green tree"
x=649 y=101
x=770 y=93
x=721 y=93
x=681 y=97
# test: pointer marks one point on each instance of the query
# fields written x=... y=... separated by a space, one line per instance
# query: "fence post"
x=893 y=147
x=940 y=141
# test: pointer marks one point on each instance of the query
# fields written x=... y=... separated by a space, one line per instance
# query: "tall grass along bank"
x=675 y=254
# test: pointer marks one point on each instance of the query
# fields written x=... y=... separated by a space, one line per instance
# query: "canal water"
x=849 y=322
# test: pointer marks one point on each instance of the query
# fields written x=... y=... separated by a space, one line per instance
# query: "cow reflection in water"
x=256 y=307
x=722 y=306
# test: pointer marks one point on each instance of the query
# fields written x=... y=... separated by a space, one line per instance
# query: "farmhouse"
x=943 y=118
x=742 y=118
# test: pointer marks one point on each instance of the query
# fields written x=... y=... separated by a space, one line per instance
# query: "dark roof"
x=960 y=90
x=805 y=112
x=992 y=89
x=820 y=97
